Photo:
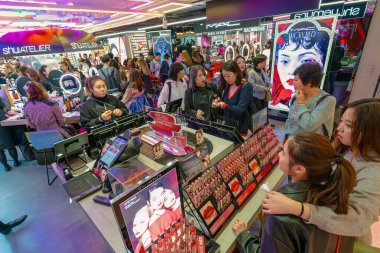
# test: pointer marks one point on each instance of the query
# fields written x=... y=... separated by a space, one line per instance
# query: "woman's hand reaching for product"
x=106 y=115
x=216 y=103
x=117 y=112
x=239 y=226
x=278 y=203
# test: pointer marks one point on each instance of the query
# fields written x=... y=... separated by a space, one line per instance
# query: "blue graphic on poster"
x=162 y=45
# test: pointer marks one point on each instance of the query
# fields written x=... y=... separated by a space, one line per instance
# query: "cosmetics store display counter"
x=103 y=217
x=211 y=198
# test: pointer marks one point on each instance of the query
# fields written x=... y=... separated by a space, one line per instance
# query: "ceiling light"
x=337 y=2
x=141 y=5
x=5 y=22
x=114 y=34
x=39 y=2
x=65 y=9
x=354 y=2
x=173 y=23
x=114 y=20
x=166 y=5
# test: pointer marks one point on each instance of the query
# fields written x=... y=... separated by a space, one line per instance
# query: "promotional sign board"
x=344 y=11
x=164 y=123
x=46 y=41
x=297 y=42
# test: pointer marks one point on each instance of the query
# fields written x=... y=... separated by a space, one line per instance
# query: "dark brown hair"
x=244 y=74
x=174 y=69
x=135 y=77
x=259 y=59
x=33 y=75
x=365 y=138
x=90 y=82
x=328 y=187
x=194 y=73
x=234 y=68
x=310 y=72
x=36 y=91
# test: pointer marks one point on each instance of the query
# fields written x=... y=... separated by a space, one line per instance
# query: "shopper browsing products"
x=260 y=81
x=236 y=96
x=175 y=87
x=320 y=176
x=357 y=139
x=311 y=109
x=199 y=95
x=43 y=113
x=100 y=107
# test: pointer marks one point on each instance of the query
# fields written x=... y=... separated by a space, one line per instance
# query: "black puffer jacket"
x=94 y=107
x=289 y=234
x=200 y=99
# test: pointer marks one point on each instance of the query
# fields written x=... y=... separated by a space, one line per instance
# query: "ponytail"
x=334 y=192
x=331 y=177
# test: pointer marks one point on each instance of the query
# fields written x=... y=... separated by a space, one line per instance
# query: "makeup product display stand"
x=213 y=196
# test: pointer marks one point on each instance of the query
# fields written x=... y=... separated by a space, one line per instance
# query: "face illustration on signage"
x=290 y=58
x=304 y=43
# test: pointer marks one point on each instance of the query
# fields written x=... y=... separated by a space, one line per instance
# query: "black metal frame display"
x=225 y=132
x=99 y=135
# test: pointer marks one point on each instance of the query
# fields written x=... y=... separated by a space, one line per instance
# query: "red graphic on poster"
x=164 y=123
x=297 y=42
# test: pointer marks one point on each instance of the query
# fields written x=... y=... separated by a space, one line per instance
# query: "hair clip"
x=338 y=158
x=334 y=166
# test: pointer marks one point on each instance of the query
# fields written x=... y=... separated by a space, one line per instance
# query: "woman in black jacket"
x=100 y=107
x=320 y=176
x=8 y=139
x=199 y=95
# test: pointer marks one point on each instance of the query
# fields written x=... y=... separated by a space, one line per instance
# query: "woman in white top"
x=84 y=67
x=175 y=86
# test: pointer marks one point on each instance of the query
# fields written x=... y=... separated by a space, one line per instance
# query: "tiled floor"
x=53 y=224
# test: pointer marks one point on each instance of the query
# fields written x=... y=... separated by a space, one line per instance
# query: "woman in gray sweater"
x=357 y=138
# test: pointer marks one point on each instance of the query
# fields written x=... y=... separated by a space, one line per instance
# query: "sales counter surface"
x=17 y=120
x=105 y=222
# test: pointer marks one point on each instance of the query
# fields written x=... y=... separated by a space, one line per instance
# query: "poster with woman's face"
x=297 y=42
x=152 y=210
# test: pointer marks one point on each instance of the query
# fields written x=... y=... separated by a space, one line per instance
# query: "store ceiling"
x=89 y=15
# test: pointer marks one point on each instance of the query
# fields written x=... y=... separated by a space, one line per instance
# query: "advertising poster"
x=297 y=42
x=117 y=48
x=162 y=45
x=152 y=210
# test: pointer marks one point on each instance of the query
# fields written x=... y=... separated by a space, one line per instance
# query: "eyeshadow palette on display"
x=219 y=130
x=237 y=175
x=211 y=199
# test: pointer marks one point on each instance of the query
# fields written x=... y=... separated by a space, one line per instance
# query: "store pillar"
x=369 y=67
